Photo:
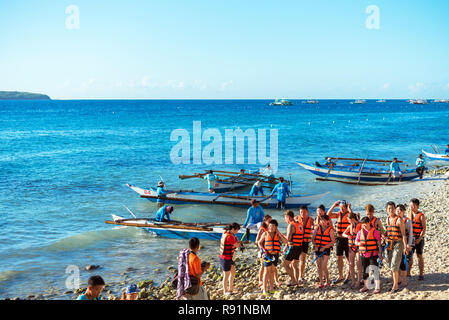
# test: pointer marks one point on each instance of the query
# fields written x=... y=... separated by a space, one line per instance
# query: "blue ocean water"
x=64 y=165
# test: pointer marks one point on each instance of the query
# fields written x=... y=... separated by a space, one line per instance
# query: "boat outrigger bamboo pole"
x=360 y=171
x=358 y=159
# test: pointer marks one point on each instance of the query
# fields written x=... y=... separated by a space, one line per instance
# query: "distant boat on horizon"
x=281 y=102
x=359 y=101
x=418 y=101
x=441 y=100
x=381 y=101
x=311 y=101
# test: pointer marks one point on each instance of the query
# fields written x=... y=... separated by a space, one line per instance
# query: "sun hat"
x=132 y=288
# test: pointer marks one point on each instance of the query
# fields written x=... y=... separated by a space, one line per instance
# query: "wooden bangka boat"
x=230 y=180
x=230 y=199
x=436 y=156
x=358 y=172
x=177 y=229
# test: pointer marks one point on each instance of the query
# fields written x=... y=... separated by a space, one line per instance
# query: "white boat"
x=381 y=101
x=281 y=102
x=311 y=101
x=436 y=156
x=441 y=101
x=359 y=101
x=231 y=199
x=418 y=101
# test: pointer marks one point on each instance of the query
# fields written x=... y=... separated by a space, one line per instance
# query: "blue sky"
x=200 y=49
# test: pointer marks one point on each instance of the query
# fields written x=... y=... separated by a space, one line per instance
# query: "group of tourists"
x=363 y=243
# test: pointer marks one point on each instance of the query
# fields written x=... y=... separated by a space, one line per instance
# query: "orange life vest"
x=355 y=227
x=393 y=231
x=226 y=250
x=296 y=238
x=306 y=229
x=373 y=222
x=417 y=225
x=368 y=244
x=272 y=244
x=322 y=238
x=342 y=223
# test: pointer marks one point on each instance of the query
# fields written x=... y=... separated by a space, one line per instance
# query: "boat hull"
x=239 y=200
x=167 y=230
x=436 y=156
x=365 y=177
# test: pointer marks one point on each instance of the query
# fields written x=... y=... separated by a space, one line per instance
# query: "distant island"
x=16 y=95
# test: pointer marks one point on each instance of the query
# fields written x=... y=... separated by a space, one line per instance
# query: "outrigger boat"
x=358 y=172
x=230 y=199
x=436 y=156
x=235 y=180
x=281 y=102
x=177 y=229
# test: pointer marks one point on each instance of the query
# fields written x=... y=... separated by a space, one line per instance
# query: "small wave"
x=9 y=275
x=90 y=238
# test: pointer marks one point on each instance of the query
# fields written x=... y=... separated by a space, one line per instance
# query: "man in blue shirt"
x=163 y=214
x=95 y=285
x=255 y=214
x=160 y=192
x=283 y=192
x=395 y=170
x=420 y=166
x=257 y=187
x=210 y=177
x=447 y=150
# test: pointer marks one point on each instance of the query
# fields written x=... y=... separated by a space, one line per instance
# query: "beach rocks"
x=145 y=283
x=91 y=267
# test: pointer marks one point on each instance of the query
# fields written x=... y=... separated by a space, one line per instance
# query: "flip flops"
x=337 y=281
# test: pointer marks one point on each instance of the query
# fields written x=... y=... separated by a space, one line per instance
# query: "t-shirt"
x=83 y=297
x=195 y=266
x=231 y=241
x=376 y=236
x=420 y=162
x=255 y=215
x=210 y=177
x=394 y=166
x=162 y=214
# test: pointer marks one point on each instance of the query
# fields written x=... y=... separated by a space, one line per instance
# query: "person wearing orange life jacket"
x=368 y=241
x=307 y=224
x=354 y=258
x=270 y=243
x=396 y=244
x=323 y=238
x=375 y=222
x=341 y=242
x=228 y=244
x=264 y=228
x=295 y=238
x=400 y=211
x=419 y=230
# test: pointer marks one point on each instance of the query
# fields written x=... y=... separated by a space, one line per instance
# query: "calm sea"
x=64 y=165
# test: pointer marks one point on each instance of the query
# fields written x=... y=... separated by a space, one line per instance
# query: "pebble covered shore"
x=434 y=287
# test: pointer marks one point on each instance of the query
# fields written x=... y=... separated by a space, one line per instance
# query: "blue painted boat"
x=358 y=174
x=436 y=156
x=230 y=199
x=179 y=230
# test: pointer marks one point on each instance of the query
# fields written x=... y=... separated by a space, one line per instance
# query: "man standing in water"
x=283 y=192
x=420 y=166
x=395 y=170
x=341 y=242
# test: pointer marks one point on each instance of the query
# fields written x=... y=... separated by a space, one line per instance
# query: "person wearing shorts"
x=342 y=246
x=323 y=238
x=307 y=225
x=396 y=242
x=395 y=170
x=368 y=242
x=283 y=192
x=270 y=244
x=406 y=257
x=419 y=225
x=228 y=245
x=294 y=237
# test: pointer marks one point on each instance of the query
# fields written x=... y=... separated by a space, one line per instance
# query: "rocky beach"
x=434 y=287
